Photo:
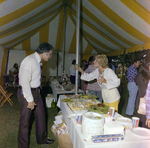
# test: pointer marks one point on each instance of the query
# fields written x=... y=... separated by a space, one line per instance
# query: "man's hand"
x=80 y=70
x=31 y=105
x=148 y=123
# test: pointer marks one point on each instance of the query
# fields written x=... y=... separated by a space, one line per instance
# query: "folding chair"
x=5 y=96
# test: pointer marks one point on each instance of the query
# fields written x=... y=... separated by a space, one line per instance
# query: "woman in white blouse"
x=106 y=78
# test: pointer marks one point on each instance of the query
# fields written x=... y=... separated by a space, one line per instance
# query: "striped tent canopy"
x=107 y=26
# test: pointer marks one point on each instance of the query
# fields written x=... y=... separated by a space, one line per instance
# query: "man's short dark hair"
x=15 y=64
x=44 y=47
x=74 y=62
x=135 y=60
x=84 y=61
x=91 y=59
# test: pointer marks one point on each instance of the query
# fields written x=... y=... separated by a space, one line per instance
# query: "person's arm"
x=147 y=123
x=16 y=71
x=147 y=101
x=110 y=79
x=88 y=77
x=25 y=78
x=11 y=73
x=80 y=70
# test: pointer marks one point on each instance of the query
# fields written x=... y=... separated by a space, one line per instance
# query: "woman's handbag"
x=142 y=106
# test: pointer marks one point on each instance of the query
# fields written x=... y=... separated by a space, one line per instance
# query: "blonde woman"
x=106 y=78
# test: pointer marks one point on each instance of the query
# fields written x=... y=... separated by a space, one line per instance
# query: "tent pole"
x=77 y=43
x=64 y=38
x=57 y=61
x=123 y=70
x=7 y=62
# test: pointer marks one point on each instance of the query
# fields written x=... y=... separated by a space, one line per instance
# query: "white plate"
x=141 y=132
x=127 y=122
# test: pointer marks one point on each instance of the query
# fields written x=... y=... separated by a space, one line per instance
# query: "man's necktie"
x=41 y=65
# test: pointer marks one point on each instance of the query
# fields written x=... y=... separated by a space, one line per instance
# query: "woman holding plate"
x=106 y=78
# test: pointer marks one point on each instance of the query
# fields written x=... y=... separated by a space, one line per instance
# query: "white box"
x=49 y=100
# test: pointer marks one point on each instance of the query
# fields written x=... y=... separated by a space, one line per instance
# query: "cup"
x=79 y=119
x=135 y=121
x=112 y=111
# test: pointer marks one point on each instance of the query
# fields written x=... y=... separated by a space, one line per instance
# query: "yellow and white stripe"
x=107 y=26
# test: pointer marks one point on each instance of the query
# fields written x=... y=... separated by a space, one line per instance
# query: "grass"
x=9 y=121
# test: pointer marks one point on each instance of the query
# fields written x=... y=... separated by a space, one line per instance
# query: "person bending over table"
x=106 y=78
x=29 y=96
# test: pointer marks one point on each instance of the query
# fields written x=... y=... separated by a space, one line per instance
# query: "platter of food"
x=100 y=108
x=88 y=96
x=67 y=100
x=77 y=108
x=81 y=102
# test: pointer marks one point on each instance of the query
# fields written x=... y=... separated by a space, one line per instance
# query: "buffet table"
x=130 y=140
x=61 y=91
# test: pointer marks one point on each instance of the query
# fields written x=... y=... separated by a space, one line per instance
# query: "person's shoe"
x=49 y=141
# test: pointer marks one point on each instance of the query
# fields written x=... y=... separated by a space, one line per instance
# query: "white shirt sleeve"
x=91 y=76
x=26 y=88
x=25 y=79
x=112 y=80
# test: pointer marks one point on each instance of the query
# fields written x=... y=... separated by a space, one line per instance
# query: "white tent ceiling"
x=107 y=26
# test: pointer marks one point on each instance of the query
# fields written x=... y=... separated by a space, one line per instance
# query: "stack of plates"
x=92 y=124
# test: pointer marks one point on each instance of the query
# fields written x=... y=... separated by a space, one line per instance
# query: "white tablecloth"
x=130 y=141
x=61 y=91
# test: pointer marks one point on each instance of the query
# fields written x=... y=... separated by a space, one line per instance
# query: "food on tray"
x=87 y=96
x=77 y=108
x=83 y=96
x=95 y=101
x=70 y=103
x=100 y=105
x=87 y=104
x=100 y=108
x=67 y=100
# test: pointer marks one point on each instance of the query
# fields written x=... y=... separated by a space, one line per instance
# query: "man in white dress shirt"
x=29 y=96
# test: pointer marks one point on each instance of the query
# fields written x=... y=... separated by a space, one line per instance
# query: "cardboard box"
x=63 y=141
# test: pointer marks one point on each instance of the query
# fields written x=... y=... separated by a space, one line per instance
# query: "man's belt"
x=33 y=89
